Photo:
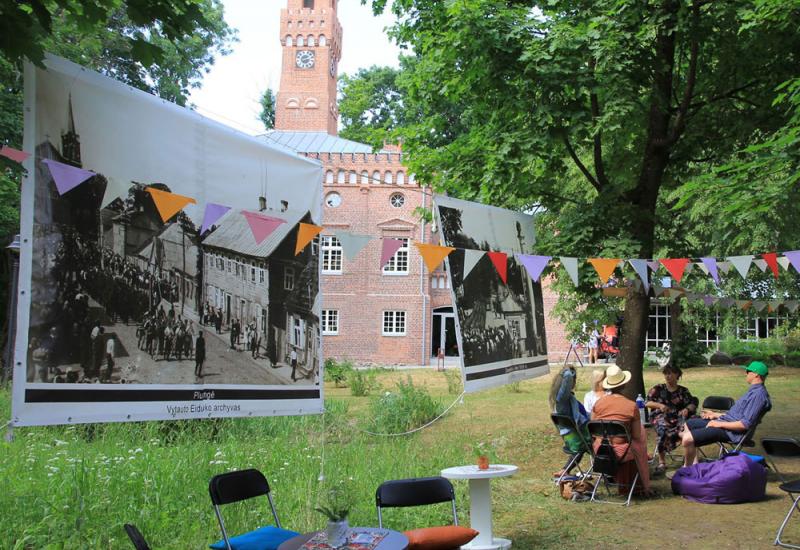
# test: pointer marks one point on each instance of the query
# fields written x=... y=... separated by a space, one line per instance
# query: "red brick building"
x=400 y=314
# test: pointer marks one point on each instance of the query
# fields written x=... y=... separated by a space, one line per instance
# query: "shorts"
x=704 y=436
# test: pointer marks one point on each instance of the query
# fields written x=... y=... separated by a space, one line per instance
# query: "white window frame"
x=252 y=274
x=332 y=255
x=330 y=321
x=288 y=278
x=394 y=323
x=399 y=263
x=261 y=276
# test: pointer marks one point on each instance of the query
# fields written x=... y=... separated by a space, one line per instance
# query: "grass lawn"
x=74 y=487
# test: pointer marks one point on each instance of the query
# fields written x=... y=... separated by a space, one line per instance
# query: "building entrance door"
x=444 y=332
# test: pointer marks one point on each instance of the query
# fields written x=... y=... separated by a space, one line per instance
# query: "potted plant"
x=336 y=507
x=482 y=452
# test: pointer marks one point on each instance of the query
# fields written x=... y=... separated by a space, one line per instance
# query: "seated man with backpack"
x=730 y=426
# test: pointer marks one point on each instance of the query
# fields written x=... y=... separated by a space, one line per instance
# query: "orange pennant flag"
x=168 y=204
x=433 y=254
x=305 y=234
x=604 y=267
x=500 y=261
x=675 y=266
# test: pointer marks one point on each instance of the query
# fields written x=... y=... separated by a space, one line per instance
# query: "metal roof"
x=315 y=142
x=233 y=233
x=173 y=243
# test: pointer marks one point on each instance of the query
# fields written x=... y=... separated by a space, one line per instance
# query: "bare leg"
x=690 y=451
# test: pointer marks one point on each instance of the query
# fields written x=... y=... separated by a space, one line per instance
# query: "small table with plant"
x=480 y=501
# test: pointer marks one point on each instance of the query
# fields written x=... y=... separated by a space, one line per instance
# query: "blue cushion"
x=263 y=538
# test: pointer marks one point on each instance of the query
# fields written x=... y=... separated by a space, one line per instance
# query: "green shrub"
x=791 y=342
x=363 y=382
x=792 y=359
x=453 y=379
x=337 y=372
x=406 y=408
x=759 y=350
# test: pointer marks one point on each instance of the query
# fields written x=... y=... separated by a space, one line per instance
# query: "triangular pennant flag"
x=305 y=234
x=261 y=225
x=534 y=265
x=724 y=267
x=771 y=258
x=709 y=300
x=711 y=266
x=741 y=263
x=688 y=268
x=352 y=243
x=743 y=304
x=604 y=267
x=758 y=305
x=500 y=261
x=14 y=154
x=774 y=305
x=115 y=189
x=168 y=204
x=213 y=213
x=675 y=293
x=66 y=177
x=571 y=265
x=640 y=267
x=693 y=297
x=791 y=305
x=675 y=266
x=794 y=259
x=727 y=302
x=702 y=267
x=653 y=265
x=783 y=261
x=433 y=254
x=471 y=257
x=657 y=290
x=388 y=249
x=761 y=264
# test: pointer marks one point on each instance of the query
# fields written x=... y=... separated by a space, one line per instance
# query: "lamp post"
x=11 y=314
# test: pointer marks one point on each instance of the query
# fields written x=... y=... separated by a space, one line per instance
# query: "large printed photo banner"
x=158 y=273
x=500 y=325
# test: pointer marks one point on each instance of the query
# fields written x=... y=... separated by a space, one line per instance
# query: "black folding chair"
x=419 y=491
x=561 y=421
x=136 y=537
x=747 y=440
x=237 y=486
x=606 y=462
x=717 y=403
x=784 y=448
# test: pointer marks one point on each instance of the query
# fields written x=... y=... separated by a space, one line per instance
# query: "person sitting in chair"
x=730 y=426
x=670 y=405
x=563 y=402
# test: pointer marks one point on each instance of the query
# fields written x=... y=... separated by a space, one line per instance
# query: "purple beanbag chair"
x=734 y=478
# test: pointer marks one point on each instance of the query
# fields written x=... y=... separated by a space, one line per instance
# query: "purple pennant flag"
x=213 y=213
x=534 y=265
x=794 y=258
x=388 y=248
x=653 y=265
x=711 y=266
x=708 y=300
x=66 y=177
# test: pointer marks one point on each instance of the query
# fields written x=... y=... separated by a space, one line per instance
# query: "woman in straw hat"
x=616 y=406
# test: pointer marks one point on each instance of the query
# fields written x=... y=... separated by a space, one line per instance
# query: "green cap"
x=758 y=367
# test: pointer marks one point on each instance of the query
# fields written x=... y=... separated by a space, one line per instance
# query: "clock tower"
x=312 y=45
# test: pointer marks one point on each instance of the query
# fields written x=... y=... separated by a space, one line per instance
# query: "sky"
x=230 y=91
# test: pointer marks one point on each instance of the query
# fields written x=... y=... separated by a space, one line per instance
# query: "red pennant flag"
x=772 y=261
x=500 y=261
x=675 y=266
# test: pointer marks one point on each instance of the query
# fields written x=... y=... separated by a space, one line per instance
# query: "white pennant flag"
x=724 y=267
x=571 y=265
x=471 y=257
x=640 y=267
x=115 y=189
x=761 y=264
x=784 y=262
x=702 y=267
x=741 y=263
x=791 y=305
x=352 y=243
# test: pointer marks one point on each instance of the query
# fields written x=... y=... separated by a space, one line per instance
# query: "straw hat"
x=616 y=377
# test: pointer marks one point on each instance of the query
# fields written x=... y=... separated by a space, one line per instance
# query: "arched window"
x=289 y=41
x=301 y=41
x=401 y=178
x=322 y=40
x=311 y=40
x=312 y=103
x=353 y=177
x=293 y=103
x=329 y=176
x=387 y=177
x=364 y=177
x=340 y=177
x=376 y=177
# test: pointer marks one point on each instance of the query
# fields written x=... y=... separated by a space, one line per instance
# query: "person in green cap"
x=730 y=426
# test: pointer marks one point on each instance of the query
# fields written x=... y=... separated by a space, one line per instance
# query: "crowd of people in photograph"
x=166 y=335
x=487 y=345
x=248 y=338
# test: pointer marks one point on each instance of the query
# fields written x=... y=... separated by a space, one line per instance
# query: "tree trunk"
x=633 y=337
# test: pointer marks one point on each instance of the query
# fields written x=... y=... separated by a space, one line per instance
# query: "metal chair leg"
x=792 y=508
x=633 y=486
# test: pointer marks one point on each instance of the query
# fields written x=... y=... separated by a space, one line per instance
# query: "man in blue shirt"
x=730 y=426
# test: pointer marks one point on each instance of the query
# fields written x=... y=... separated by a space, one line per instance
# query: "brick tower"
x=312 y=45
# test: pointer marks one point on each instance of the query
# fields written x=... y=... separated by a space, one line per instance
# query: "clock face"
x=304 y=59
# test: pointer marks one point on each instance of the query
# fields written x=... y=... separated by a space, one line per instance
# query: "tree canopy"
x=267 y=115
x=371 y=105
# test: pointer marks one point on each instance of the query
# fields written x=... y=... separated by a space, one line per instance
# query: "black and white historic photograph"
x=502 y=324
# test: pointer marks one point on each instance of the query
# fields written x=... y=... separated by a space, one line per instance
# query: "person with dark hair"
x=670 y=405
x=563 y=402
x=199 y=354
x=730 y=426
